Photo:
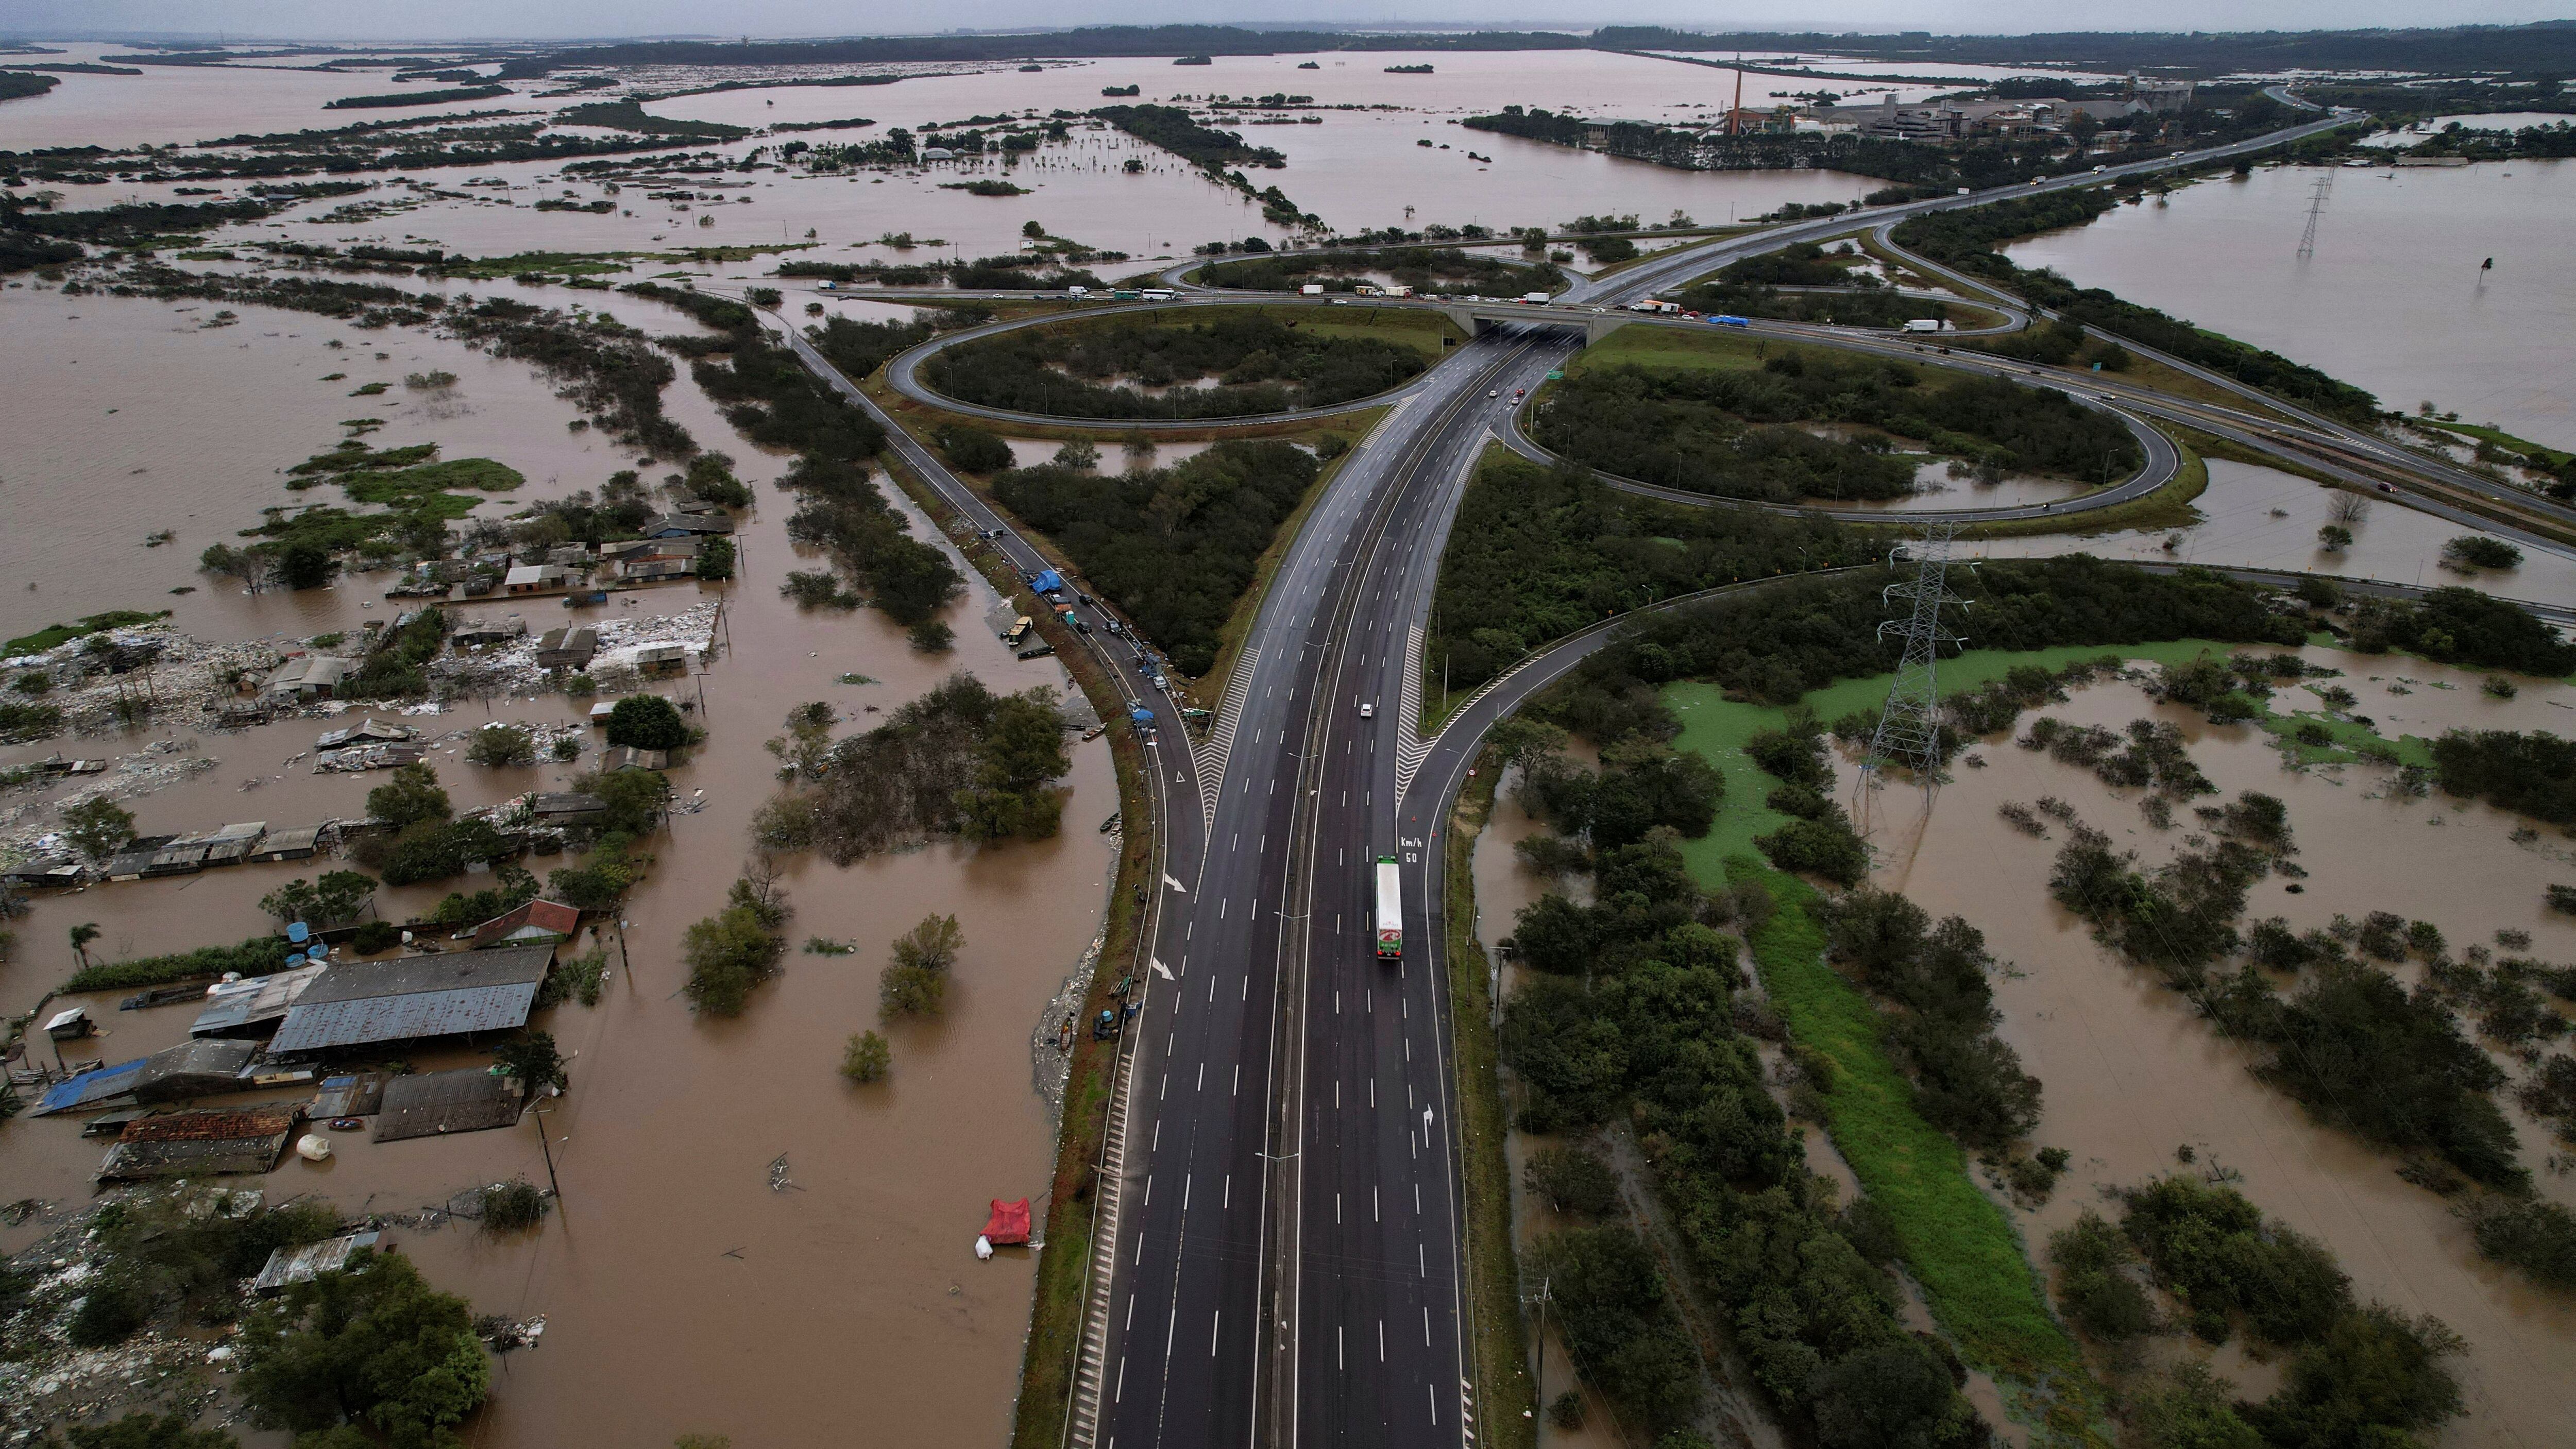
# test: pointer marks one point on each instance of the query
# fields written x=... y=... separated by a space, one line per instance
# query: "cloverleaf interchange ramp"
x=1281 y=1256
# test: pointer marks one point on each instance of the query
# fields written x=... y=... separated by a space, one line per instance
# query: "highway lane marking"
x=1214 y=1319
x=1381 y=1340
x=1185 y=1192
x=1131 y=1319
x=1149 y=1189
x=1238 y=1066
x=1229 y=1193
x=1202 y=1086
x=1426 y=1343
x=1164 y=1090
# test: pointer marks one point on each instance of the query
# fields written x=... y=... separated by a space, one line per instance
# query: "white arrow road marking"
x=1176 y=885
x=1160 y=969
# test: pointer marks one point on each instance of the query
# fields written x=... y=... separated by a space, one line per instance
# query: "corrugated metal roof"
x=316 y=1026
x=289 y=1266
x=419 y=996
x=253 y=1002
x=531 y=921
x=190 y=1144
x=215 y=1124
x=358 y=1095
x=190 y=1069
x=90 y=1087
x=437 y=1103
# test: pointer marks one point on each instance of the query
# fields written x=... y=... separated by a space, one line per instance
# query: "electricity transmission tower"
x=1909 y=729
x=2316 y=208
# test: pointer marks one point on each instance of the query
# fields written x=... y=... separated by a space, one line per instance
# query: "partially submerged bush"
x=513 y=1206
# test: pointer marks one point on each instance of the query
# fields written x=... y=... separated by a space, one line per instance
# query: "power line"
x=2316 y=208
x=1909 y=727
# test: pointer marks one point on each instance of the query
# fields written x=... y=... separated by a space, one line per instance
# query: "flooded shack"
x=362 y=1003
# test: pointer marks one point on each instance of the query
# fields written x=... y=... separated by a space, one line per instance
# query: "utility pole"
x=1909 y=728
x=2316 y=205
x=549 y=1150
x=1538 y=1373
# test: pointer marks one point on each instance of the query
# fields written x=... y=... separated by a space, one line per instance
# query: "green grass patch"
x=369 y=389
x=54 y=635
x=568 y=264
x=257 y=956
x=1419 y=328
x=1957 y=1243
x=2546 y=457
x=1716 y=727
x=1726 y=350
x=403 y=485
x=2352 y=741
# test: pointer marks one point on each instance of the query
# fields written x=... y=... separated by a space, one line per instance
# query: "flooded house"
x=530 y=924
x=308 y=676
x=487 y=634
x=202 y=1143
x=536 y=579
x=567 y=648
x=201 y=1068
x=417 y=998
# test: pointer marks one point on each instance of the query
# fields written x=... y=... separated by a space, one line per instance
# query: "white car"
x=1368 y=711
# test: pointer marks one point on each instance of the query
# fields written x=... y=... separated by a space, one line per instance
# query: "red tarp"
x=1009 y=1223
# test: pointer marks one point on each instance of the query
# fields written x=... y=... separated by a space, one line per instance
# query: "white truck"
x=1929 y=324
x=1390 y=911
x=1536 y=299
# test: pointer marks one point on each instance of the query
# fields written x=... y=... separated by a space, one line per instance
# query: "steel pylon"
x=1909 y=728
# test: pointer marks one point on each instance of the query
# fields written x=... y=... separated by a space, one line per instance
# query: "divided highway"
x=1281 y=1260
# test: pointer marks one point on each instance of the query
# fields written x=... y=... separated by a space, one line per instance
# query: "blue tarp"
x=1141 y=716
x=1048 y=582
x=90 y=1087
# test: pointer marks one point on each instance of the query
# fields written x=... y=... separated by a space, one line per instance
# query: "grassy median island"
x=1193 y=362
x=1737 y=416
x=1753 y=288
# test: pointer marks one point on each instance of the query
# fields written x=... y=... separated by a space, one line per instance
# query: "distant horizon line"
x=1374 y=28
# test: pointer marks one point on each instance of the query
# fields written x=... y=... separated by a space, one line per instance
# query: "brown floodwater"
x=2264 y=518
x=2132 y=1073
x=682 y=1293
x=2393 y=300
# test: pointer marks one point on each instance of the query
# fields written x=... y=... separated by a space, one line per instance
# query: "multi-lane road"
x=1279 y=1260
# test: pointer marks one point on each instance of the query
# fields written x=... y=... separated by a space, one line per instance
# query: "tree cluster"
x=1174 y=548
x=1448 y=269
x=1632 y=1017
x=1262 y=365
x=1727 y=433
x=959 y=760
x=2358 y=1374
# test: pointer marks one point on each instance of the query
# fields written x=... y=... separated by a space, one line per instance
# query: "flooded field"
x=2264 y=518
x=2132 y=1073
x=1358 y=168
x=670 y=1249
x=2394 y=299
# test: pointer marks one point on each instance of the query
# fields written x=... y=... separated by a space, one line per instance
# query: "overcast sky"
x=464 y=19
